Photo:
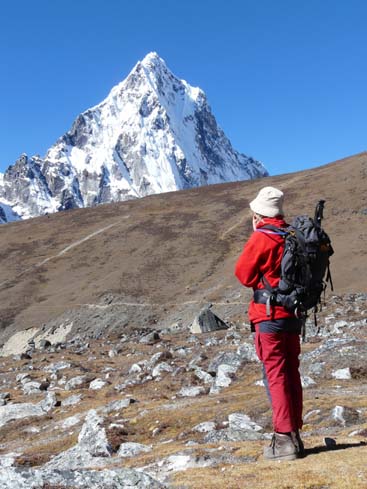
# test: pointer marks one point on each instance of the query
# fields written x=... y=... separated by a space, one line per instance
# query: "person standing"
x=277 y=330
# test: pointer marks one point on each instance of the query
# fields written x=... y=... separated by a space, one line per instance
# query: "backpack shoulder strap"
x=270 y=229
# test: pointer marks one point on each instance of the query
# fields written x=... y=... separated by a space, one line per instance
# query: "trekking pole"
x=319 y=212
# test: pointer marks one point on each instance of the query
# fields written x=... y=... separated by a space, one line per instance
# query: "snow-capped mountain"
x=153 y=133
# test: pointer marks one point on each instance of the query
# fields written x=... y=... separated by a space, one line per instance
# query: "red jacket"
x=262 y=256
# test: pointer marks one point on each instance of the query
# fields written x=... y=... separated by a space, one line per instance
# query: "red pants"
x=279 y=354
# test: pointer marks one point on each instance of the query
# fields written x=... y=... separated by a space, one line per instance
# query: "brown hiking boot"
x=281 y=447
x=296 y=437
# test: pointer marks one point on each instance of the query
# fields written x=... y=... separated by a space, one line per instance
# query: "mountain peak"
x=153 y=133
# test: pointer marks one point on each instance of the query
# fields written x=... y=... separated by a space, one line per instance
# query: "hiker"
x=277 y=330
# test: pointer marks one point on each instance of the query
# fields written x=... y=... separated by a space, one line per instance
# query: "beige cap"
x=268 y=202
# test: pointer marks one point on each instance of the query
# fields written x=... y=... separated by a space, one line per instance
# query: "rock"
x=55 y=367
x=193 y=391
x=342 y=374
x=207 y=321
x=79 y=382
x=31 y=387
x=225 y=375
x=316 y=368
x=135 y=369
x=23 y=378
x=228 y=358
x=11 y=412
x=345 y=416
x=150 y=338
x=247 y=353
x=130 y=449
x=49 y=402
x=203 y=376
x=161 y=356
x=72 y=400
x=93 y=438
x=160 y=368
x=307 y=381
x=118 y=405
x=205 y=427
x=239 y=421
x=71 y=421
x=97 y=384
x=16 y=478
x=44 y=344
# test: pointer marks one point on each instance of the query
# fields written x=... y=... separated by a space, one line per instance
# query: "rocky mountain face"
x=153 y=133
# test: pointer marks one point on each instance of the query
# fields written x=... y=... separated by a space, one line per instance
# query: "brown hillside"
x=168 y=249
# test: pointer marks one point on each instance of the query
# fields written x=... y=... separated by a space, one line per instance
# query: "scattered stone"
x=203 y=376
x=193 y=391
x=16 y=478
x=342 y=374
x=207 y=321
x=160 y=368
x=239 y=421
x=118 y=405
x=150 y=338
x=55 y=367
x=97 y=384
x=72 y=400
x=32 y=387
x=44 y=344
x=247 y=353
x=92 y=437
x=225 y=375
x=307 y=381
x=230 y=358
x=345 y=416
x=79 y=382
x=205 y=427
x=10 y=412
x=130 y=449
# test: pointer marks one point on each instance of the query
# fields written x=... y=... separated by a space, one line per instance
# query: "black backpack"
x=304 y=267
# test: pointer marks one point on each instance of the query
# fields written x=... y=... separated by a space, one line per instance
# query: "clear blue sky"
x=286 y=79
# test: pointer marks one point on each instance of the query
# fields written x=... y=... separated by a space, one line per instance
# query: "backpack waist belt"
x=264 y=296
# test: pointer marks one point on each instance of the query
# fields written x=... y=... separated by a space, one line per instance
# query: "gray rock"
x=161 y=368
x=307 y=381
x=49 y=402
x=130 y=449
x=118 y=405
x=225 y=375
x=345 y=416
x=229 y=358
x=203 y=376
x=15 y=478
x=79 y=382
x=342 y=374
x=150 y=338
x=72 y=400
x=54 y=367
x=192 y=391
x=205 y=427
x=239 y=421
x=93 y=438
x=161 y=356
x=97 y=384
x=247 y=353
x=32 y=387
x=11 y=412
x=207 y=321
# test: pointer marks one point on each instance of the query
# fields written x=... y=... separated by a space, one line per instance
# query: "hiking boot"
x=281 y=447
x=296 y=437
